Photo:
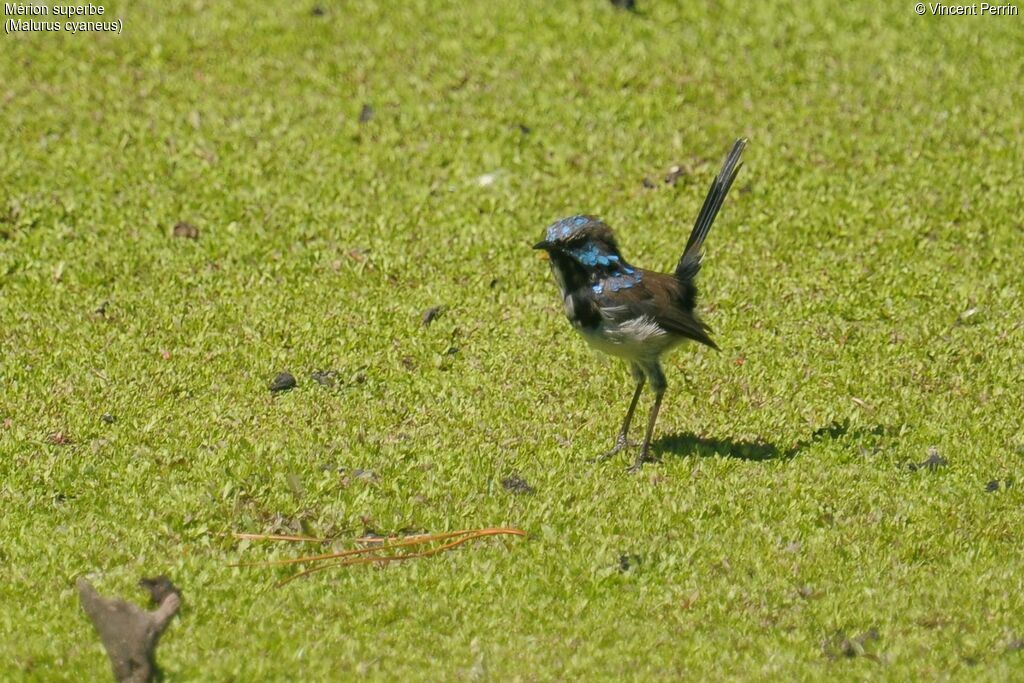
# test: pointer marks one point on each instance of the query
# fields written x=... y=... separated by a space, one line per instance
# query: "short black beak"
x=543 y=244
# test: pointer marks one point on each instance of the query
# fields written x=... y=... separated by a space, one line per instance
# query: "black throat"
x=581 y=307
x=573 y=274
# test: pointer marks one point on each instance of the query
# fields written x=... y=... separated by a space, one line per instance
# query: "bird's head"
x=582 y=250
x=586 y=239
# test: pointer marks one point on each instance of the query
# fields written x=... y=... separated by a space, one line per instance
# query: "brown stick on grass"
x=371 y=554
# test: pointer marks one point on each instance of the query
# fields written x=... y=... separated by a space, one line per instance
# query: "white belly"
x=637 y=339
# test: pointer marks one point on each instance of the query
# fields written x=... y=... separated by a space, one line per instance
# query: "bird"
x=629 y=312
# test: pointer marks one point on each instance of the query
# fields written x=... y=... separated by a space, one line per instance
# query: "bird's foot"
x=621 y=444
x=644 y=456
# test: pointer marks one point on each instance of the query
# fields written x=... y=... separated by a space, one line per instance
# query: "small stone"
x=516 y=484
x=840 y=645
x=673 y=175
x=186 y=231
x=58 y=438
x=364 y=475
x=969 y=317
x=108 y=418
x=326 y=378
x=283 y=382
x=431 y=314
x=627 y=562
x=487 y=179
x=357 y=254
x=934 y=461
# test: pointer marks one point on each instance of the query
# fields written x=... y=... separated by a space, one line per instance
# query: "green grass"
x=881 y=199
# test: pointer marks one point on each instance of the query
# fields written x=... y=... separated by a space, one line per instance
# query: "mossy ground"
x=880 y=202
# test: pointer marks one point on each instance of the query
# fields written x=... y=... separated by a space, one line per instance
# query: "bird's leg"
x=644 y=455
x=659 y=384
x=621 y=441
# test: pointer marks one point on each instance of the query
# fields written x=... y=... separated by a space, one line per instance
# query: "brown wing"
x=661 y=298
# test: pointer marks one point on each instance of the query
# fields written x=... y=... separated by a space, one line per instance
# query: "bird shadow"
x=687 y=443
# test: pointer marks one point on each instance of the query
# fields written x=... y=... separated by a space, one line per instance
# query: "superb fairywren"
x=629 y=312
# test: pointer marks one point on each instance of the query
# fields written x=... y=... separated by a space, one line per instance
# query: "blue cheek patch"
x=589 y=256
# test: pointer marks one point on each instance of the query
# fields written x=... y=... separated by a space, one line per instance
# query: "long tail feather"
x=689 y=262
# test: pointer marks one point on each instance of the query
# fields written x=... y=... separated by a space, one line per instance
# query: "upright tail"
x=689 y=262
